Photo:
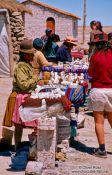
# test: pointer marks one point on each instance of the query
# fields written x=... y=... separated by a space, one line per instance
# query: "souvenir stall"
x=61 y=94
x=40 y=110
x=73 y=79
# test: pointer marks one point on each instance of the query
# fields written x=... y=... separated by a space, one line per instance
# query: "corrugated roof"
x=53 y=8
x=12 y=6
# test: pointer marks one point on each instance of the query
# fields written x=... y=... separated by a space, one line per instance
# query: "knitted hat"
x=26 y=46
x=38 y=43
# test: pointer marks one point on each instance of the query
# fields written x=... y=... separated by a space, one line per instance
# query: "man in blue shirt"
x=64 y=52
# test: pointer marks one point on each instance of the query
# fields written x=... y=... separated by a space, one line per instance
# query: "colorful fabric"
x=77 y=54
x=76 y=95
x=38 y=102
x=85 y=85
x=66 y=103
x=67 y=70
x=100 y=37
x=16 y=116
x=68 y=92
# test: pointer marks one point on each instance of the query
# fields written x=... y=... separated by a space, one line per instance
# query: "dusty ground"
x=79 y=161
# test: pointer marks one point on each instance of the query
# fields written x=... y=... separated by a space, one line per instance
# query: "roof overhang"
x=53 y=8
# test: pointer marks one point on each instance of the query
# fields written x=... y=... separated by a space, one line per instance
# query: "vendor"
x=64 y=52
x=39 y=58
x=51 y=47
x=24 y=82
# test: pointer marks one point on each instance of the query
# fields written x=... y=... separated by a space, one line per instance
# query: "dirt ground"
x=79 y=160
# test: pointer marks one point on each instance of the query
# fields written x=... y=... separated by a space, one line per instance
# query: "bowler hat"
x=37 y=43
x=26 y=46
x=99 y=37
x=71 y=40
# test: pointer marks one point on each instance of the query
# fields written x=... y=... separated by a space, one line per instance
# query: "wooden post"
x=84 y=22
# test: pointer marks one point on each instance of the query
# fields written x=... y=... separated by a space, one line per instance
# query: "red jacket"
x=100 y=69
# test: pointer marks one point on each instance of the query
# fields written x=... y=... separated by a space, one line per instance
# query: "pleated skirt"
x=7 y=121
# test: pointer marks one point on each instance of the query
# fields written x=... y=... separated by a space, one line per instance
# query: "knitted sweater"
x=23 y=79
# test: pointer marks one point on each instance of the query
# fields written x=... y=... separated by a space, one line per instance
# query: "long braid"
x=103 y=46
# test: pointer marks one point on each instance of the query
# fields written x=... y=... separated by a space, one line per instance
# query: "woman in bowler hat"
x=24 y=82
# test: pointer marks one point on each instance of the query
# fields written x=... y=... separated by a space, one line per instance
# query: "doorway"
x=50 y=24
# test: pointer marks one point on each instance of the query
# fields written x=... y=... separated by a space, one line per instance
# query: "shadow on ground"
x=5 y=153
x=80 y=146
x=14 y=170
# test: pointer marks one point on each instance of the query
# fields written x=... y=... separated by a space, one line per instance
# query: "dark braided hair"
x=21 y=57
x=103 y=46
x=99 y=26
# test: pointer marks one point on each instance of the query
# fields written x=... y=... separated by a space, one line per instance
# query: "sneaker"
x=98 y=153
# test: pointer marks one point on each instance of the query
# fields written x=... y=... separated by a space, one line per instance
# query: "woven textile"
x=76 y=95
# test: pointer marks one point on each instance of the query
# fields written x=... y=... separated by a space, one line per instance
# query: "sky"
x=99 y=10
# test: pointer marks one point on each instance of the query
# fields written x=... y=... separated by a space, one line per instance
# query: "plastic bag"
x=19 y=159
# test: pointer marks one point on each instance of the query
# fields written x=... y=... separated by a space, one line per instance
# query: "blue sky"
x=100 y=10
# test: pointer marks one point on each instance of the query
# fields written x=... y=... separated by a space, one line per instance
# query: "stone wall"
x=17 y=32
x=35 y=24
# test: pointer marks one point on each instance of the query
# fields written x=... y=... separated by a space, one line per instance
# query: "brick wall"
x=35 y=24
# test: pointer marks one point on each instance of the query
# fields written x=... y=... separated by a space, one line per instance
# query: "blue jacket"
x=63 y=54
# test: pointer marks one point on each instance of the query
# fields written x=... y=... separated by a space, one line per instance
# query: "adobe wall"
x=35 y=24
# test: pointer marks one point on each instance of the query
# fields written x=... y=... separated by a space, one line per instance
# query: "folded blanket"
x=38 y=102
